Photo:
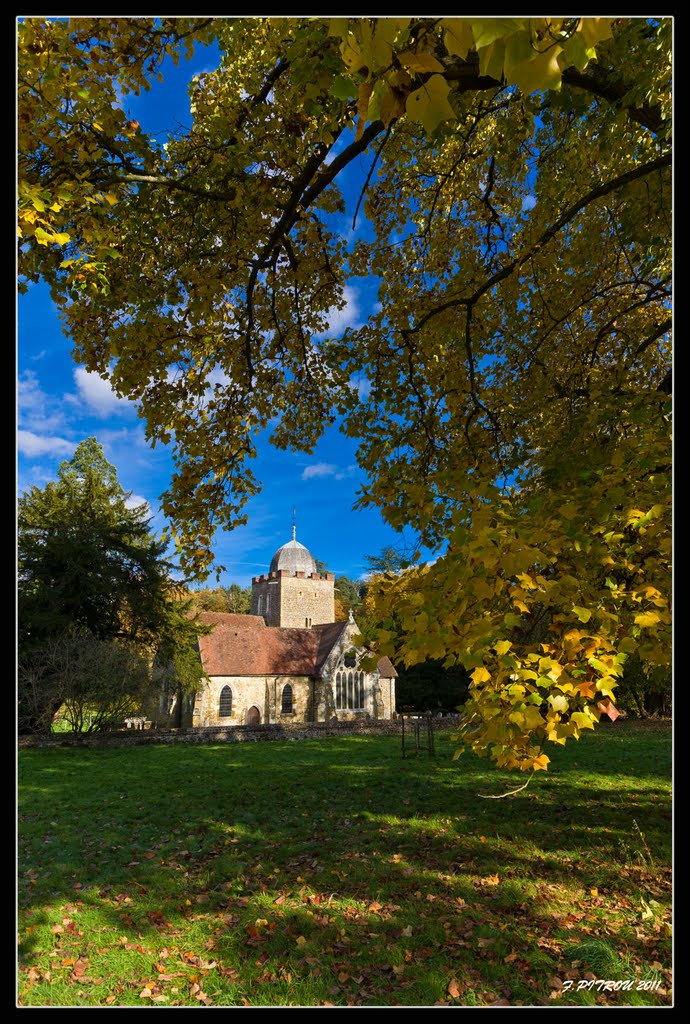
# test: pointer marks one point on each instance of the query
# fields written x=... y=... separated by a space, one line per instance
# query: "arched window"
x=286 y=704
x=225 y=708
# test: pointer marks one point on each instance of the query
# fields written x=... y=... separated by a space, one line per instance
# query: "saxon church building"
x=289 y=661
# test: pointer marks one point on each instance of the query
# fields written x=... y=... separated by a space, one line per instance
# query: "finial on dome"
x=294 y=528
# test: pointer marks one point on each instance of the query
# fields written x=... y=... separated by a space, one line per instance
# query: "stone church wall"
x=265 y=693
x=379 y=693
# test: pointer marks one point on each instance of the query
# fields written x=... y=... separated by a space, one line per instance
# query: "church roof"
x=329 y=634
x=386 y=669
x=243 y=645
x=241 y=619
x=294 y=557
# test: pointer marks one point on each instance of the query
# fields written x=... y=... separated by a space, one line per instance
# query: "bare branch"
x=371 y=171
x=654 y=336
x=511 y=792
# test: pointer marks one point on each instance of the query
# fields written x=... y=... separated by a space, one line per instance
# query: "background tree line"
x=104 y=628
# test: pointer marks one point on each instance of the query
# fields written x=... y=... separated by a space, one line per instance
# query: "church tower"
x=293 y=593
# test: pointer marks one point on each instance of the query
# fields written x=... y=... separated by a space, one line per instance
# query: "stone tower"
x=293 y=593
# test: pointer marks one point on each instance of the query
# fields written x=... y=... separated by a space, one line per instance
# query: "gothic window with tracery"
x=349 y=691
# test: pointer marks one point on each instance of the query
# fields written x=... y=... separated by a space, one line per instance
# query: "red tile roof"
x=232 y=619
x=242 y=645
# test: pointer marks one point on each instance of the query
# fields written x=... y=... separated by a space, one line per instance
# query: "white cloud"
x=135 y=500
x=361 y=385
x=131 y=437
x=219 y=376
x=321 y=469
x=36 y=409
x=32 y=445
x=348 y=316
x=98 y=394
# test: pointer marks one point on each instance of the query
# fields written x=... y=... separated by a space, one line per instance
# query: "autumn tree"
x=516 y=186
x=426 y=685
x=349 y=596
x=94 y=682
x=94 y=587
x=233 y=598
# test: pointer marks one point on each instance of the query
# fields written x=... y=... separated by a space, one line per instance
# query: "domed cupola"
x=294 y=594
x=294 y=557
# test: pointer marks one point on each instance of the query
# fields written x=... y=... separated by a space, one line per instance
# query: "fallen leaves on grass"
x=197 y=992
x=453 y=989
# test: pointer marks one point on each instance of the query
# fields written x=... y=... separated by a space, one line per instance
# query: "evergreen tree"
x=90 y=566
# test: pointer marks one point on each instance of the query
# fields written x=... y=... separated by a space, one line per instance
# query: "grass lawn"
x=334 y=872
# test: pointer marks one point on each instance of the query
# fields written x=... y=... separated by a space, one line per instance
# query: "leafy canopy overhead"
x=517 y=184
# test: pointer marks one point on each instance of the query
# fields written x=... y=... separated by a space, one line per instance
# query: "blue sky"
x=60 y=404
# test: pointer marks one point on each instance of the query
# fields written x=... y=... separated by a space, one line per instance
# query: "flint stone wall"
x=231 y=734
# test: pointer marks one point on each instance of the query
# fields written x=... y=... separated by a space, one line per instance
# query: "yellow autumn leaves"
x=396 y=60
x=517 y=422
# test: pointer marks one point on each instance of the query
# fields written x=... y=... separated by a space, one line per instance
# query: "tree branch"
x=596 y=193
x=511 y=792
x=594 y=79
x=654 y=336
x=371 y=171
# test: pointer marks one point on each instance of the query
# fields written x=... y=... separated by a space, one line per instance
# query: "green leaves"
x=487 y=30
x=529 y=53
x=344 y=88
x=458 y=36
x=429 y=104
x=538 y=72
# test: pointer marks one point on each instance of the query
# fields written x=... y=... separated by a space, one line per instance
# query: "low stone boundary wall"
x=230 y=734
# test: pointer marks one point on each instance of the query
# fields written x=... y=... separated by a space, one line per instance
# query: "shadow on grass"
x=352 y=858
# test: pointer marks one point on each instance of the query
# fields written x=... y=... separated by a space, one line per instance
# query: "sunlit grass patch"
x=336 y=872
